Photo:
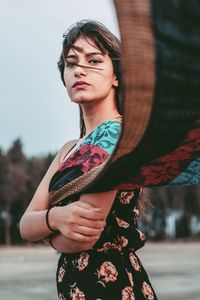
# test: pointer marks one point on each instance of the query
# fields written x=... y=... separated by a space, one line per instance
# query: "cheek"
x=107 y=80
x=67 y=81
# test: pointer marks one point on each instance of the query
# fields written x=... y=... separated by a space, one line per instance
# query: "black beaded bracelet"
x=51 y=243
x=47 y=220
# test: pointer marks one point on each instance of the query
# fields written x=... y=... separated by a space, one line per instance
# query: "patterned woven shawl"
x=83 y=165
x=159 y=142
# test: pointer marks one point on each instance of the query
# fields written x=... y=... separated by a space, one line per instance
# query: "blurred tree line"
x=174 y=213
x=19 y=178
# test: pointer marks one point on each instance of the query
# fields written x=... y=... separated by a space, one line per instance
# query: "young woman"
x=95 y=232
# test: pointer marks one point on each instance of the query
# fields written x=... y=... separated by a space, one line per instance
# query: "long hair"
x=106 y=41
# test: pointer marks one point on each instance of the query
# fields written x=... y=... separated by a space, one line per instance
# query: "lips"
x=79 y=83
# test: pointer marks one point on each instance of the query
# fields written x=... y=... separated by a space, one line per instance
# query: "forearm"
x=79 y=221
x=67 y=245
x=33 y=226
x=101 y=200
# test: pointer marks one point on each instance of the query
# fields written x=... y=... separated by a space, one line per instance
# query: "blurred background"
x=37 y=118
x=171 y=212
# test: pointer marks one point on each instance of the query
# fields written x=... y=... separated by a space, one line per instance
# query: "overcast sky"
x=34 y=102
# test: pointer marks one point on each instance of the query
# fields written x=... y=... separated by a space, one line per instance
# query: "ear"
x=115 y=83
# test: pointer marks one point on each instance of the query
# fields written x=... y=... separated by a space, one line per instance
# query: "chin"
x=80 y=100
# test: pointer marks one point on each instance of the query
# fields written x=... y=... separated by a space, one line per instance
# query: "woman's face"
x=89 y=74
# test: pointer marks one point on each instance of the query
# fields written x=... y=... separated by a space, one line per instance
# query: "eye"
x=70 y=64
x=95 y=61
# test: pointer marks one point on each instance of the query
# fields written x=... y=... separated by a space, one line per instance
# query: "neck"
x=95 y=114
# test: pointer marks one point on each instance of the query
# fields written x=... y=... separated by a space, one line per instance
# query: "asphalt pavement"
x=28 y=273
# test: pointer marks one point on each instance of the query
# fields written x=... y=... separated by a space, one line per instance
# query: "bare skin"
x=80 y=223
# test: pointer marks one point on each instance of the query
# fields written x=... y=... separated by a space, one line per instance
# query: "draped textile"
x=159 y=142
x=93 y=152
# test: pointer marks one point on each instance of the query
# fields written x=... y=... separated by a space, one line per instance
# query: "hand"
x=79 y=221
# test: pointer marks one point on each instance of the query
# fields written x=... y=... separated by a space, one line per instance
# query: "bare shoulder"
x=65 y=148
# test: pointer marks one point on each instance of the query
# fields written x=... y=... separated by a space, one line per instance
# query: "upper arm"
x=102 y=200
x=40 y=200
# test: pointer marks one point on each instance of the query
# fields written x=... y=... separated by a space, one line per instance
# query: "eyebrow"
x=86 y=54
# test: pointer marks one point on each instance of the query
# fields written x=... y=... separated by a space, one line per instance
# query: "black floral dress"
x=111 y=269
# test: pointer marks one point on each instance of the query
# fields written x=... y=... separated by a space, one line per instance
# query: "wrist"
x=52 y=219
x=51 y=242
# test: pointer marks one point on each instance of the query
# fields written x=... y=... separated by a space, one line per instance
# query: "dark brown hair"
x=106 y=41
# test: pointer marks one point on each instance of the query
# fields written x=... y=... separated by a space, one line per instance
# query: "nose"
x=79 y=71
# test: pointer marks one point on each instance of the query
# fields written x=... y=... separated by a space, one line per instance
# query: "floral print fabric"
x=111 y=269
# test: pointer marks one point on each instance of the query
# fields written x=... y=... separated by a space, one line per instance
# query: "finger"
x=86 y=204
x=96 y=224
x=88 y=231
x=91 y=214
x=89 y=206
x=83 y=238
